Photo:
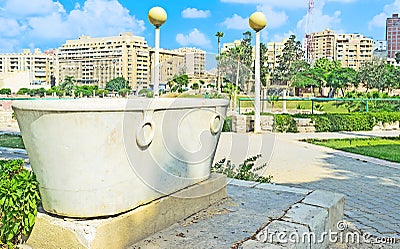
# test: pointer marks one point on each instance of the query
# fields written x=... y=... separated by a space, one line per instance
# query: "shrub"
x=19 y=197
x=352 y=121
x=284 y=123
x=5 y=91
x=124 y=92
x=245 y=171
x=101 y=92
x=227 y=127
x=23 y=91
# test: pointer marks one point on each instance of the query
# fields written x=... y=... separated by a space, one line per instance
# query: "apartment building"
x=27 y=69
x=393 y=35
x=194 y=63
x=227 y=46
x=321 y=45
x=171 y=63
x=274 y=52
x=96 y=61
x=353 y=49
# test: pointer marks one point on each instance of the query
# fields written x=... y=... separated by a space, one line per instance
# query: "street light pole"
x=156 y=61
x=157 y=16
x=257 y=22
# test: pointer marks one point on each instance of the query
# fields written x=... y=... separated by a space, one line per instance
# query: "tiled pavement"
x=371 y=187
x=372 y=193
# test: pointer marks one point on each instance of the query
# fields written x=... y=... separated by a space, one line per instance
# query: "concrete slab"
x=280 y=233
x=240 y=220
x=125 y=229
x=269 y=186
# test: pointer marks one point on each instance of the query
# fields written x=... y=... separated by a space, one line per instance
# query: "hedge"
x=332 y=122
x=284 y=123
x=350 y=121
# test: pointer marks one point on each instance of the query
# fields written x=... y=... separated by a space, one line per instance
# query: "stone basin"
x=101 y=157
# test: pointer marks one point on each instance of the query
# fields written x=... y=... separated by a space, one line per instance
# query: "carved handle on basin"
x=216 y=123
x=145 y=134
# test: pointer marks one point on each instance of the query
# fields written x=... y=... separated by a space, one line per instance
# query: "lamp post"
x=257 y=22
x=157 y=16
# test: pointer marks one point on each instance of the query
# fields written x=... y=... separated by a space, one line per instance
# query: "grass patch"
x=386 y=148
x=11 y=141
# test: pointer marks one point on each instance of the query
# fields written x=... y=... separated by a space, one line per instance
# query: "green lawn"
x=383 y=148
x=11 y=141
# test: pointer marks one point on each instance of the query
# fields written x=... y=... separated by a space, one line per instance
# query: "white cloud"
x=48 y=20
x=288 y=4
x=343 y=1
x=195 y=38
x=8 y=45
x=32 y=7
x=9 y=27
x=280 y=37
x=236 y=22
x=195 y=13
x=275 y=19
x=272 y=3
x=379 y=20
x=89 y=19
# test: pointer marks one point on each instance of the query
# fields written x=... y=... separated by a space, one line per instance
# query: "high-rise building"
x=380 y=49
x=353 y=50
x=274 y=52
x=393 y=35
x=350 y=49
x=322 y=45
x=171 y=63
x=28 y=69
x=99 y=60
x=195 y=60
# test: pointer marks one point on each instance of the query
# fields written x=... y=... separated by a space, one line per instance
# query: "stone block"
x=123 y=230
x=315 y=218
x=332 y=202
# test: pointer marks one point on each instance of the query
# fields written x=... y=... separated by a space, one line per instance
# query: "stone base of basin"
x=123 y=230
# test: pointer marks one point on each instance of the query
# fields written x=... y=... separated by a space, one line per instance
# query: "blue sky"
x=47 y=24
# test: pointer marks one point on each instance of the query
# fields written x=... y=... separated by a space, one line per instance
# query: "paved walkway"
x=371 y=187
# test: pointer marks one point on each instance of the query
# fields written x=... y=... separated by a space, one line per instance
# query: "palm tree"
x=219 y=35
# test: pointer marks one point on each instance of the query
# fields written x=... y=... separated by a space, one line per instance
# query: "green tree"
x=372 y=73
x=397 y=57
x=237 y=62
x=291 y=53
x=195 y=86
x=341 y=79
x=178 y=83
x=391 y=78
x=117 y=84
x=68 y=85
x=264 y=69
x=322 y=69
x=246 y=50
x=219 y=35
x=327 y=65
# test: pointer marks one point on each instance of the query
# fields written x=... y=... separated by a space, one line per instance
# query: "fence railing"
x=329 y=104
